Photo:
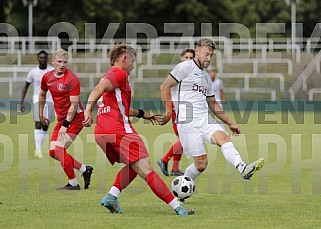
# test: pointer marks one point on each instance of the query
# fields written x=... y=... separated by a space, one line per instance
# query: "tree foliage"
x=156 y=13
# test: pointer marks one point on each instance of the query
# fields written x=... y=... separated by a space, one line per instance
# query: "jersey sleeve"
x=43 y=84
x=117 y=78
x=74 y=87
x=210 y=88
x=29 y=78
x=180 y=71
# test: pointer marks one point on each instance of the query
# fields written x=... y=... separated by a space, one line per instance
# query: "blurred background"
x=266 y=50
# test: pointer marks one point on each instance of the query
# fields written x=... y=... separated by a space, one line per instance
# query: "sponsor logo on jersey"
x=103 y=110
x=200 y=89
x=61 y=87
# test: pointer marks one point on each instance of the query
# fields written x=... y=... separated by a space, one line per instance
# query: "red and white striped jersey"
x=113 y=110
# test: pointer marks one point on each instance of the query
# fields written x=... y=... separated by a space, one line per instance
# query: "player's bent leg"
x=197 y=167
x=158 y=186
x=233 y=156
x=219 y=138
x=68 y=163
x=86 y=170
x=124 y=177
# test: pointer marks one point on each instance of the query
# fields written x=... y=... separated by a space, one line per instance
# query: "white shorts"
x=193 y=135
x=49 y=111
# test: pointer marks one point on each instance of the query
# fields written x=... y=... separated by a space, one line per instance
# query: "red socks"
x=176 y=152
x=158 y=186
x=68 y=163
x=124 y=177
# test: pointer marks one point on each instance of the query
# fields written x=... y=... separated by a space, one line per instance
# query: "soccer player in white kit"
x=218 y=88
x=35 y=76
x=189 y=86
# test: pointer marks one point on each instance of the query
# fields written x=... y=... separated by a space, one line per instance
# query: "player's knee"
x=201 y=165
x=222 y=139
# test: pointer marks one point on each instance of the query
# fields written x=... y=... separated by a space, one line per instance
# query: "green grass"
x=276 y=197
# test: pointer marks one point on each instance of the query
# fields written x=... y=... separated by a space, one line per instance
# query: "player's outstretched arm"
x=153 y=118
x=101 y=87
x=166 y=96
x=218 y=112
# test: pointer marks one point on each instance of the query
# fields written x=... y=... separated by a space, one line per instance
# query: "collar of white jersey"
x=197 y=65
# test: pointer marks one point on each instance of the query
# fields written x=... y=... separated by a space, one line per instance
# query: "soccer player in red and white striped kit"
x=117 y=137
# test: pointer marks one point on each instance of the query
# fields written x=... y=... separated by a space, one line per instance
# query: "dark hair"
x=188 y=50
x=118 y=50
x=42 y=52
x=206 y=42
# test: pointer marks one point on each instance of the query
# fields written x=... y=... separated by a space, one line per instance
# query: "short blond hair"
x=118 y=50
x=60 y=52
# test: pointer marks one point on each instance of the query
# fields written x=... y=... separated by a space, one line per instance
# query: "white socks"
x=40 y=136
x=114 y=191
x=82 y=168
x=174 y=203
x=73 y=182
x=233 y=156
x=192 y=172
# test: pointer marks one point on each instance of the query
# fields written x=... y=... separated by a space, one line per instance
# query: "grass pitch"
x=285 y=194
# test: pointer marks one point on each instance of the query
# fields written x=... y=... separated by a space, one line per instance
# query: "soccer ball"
x=183 y=187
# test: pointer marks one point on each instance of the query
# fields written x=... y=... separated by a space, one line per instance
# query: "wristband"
x=141 y=113
x=66 y=123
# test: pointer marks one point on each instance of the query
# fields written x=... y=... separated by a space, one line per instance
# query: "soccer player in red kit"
x=176 y=151
x=64 y=87
x=117 y=137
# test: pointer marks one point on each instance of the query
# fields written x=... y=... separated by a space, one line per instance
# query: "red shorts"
x=74 y=128
x=122 y=148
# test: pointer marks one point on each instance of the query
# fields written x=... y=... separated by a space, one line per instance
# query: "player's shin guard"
x=158 y=186
x=124 y=177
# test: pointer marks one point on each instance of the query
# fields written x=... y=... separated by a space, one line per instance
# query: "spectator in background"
x=35 y=76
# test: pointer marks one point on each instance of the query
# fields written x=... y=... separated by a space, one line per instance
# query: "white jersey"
x=35 y=76
x=189 y=95
x=218 y=87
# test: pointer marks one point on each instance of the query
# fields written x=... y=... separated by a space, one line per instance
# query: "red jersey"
x=61 y=88
x=113 y=112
